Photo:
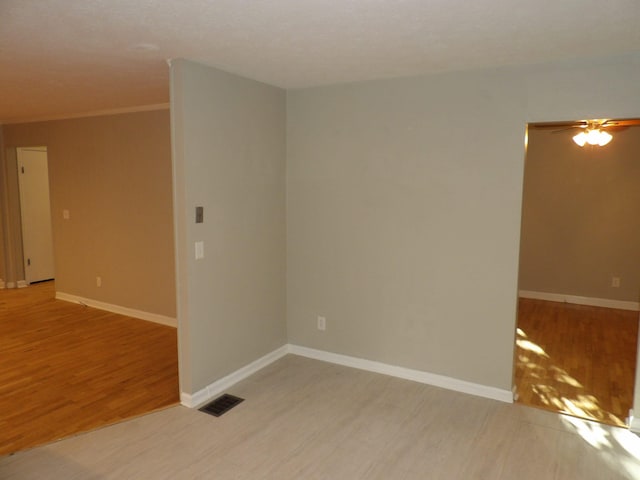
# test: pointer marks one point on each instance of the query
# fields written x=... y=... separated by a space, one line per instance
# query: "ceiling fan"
x=593 y=132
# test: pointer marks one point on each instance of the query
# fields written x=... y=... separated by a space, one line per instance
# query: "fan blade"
x=615 y=128
x=632 y=122
x=560 y=130
x=558 y=125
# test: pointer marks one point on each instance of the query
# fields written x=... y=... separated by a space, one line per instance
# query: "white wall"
x=403 y=204
x=229 y=157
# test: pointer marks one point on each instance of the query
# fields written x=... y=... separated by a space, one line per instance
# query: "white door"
x=35 y=211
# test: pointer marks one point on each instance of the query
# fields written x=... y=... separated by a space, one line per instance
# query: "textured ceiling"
x=60 y=57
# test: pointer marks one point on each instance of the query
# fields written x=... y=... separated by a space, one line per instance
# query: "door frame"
x=21 y=190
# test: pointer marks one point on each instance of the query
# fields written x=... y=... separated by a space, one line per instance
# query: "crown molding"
x=95 y=113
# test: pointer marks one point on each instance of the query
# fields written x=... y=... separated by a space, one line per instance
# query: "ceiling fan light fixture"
x=605 y=138
x=580 y=139
x=593 y=136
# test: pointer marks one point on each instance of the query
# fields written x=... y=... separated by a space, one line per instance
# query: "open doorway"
x=70 y=366
x=579 y=276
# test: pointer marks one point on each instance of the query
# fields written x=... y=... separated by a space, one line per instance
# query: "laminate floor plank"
x=306 y=419
x=66 y=368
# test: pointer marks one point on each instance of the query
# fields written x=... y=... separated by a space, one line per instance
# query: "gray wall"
x=403 y=219
x=403 y=212
x=403 y=201
x=579 y=214
x=229 y=157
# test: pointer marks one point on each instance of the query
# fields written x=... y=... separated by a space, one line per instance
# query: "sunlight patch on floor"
x=532 y=347
x=606 y=440
x=629 y=441
x=583 y=405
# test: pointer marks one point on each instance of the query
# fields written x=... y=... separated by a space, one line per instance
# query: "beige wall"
x=404 y=202
x=579 y=226
x=3 y=212
x=229 y=157
x=11 y=257
x=113 y=174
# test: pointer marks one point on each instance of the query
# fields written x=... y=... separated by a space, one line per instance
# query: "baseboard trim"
x=427 y=378
x=634 y=423
x=129 y=312
x=575 y=299
x=212 y=390
x=192 y=400
x=22 y=284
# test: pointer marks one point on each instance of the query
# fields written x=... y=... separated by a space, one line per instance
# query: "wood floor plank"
x=576 y=359
x=66 y=368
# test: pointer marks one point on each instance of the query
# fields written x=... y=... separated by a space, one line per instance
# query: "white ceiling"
x=60 y=57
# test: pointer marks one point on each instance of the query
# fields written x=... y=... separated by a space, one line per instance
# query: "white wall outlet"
x=322 y=323
x=615 y=282
x=98 y=281
x=65 y=214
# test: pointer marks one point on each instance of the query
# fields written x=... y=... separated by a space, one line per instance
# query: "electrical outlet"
x=98 y=281
x=615 y=282
x=322 y=323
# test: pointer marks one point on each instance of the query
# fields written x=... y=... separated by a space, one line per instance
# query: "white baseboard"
x=575 y=299
x=634 y=423
x=18 y=284
x=216 y=388
x=406 y=373
x=129 y=312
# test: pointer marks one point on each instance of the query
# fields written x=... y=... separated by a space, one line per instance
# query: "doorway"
x=35 y=214
x=579 y=275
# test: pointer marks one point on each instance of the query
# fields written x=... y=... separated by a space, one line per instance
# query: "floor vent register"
x=221 y=405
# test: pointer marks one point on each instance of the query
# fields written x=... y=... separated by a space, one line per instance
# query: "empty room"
x=346 y=198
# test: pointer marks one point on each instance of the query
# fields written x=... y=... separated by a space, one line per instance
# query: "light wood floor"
x=305 y=419
x=65 y=368
x=576 y=359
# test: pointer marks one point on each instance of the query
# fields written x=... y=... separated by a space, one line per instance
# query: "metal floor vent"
x=221 y=405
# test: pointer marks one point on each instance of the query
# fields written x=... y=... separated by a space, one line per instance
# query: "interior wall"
x=404 y=208
x=578 y=217
x=229 y=157
x=11 y=256
x=403 y=221
x=113 y=174
x=3 y=204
